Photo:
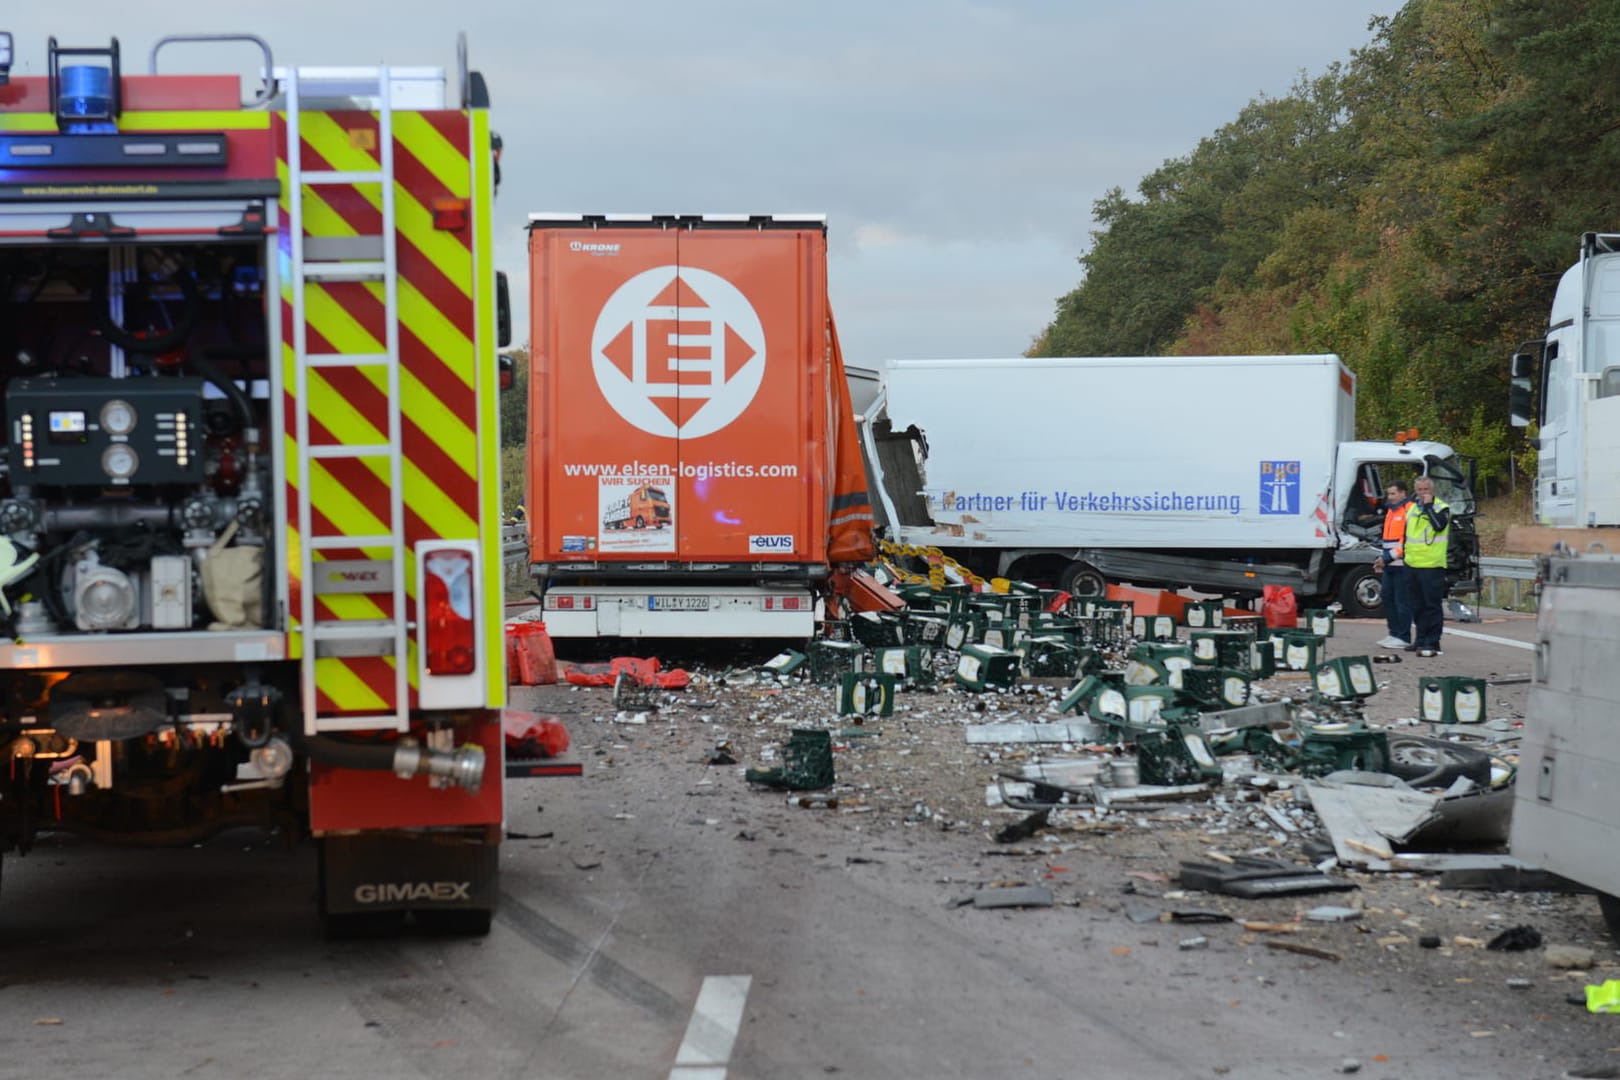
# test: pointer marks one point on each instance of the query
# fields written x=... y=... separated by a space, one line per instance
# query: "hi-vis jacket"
x=1395 y=531
x=1427 y=529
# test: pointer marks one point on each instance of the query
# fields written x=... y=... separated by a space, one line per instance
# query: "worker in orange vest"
x=1391 y=563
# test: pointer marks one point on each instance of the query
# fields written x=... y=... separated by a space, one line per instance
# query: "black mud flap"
x=1254 y=877
x=372 y=873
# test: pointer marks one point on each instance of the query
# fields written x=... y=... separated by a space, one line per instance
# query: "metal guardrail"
x=1494 y=572
x=1510 y=569
x=515 y=557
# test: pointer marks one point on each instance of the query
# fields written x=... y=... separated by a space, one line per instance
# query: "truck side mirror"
x=503 y=311
x=1521 y=395
x=1522 y=366
x=508 y=372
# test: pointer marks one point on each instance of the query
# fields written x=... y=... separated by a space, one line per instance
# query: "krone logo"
x=678 y=351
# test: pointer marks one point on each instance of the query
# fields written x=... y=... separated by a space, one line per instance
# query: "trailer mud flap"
x=376 y=872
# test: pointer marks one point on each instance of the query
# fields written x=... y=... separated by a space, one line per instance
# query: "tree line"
x=1410 y=209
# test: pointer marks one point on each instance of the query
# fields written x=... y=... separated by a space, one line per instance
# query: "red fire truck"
x=249 y=513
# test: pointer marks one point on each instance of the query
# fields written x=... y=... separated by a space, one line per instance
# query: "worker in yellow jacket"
x=1428 y=527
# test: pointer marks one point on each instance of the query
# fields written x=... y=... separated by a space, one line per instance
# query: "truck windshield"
x=1453 y=482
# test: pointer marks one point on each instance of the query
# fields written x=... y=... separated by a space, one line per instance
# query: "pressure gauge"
x=119 y=461
x=118 y=418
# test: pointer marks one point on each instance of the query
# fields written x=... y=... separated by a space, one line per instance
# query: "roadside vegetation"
x=1410 y=209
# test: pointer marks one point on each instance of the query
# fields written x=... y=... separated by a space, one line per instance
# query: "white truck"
x=1220 y=473
x=1578 y=480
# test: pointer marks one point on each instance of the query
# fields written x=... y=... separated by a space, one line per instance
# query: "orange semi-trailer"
x=695 y=356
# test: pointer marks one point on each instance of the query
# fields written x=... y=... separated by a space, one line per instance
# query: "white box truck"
x=1578 y=436
x=1220 y=473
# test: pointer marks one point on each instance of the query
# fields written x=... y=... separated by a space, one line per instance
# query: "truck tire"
x=1361 y=593
x=1083 y=579
x=1610 y=906
x=641 y=522
x=1436 y=762
x=455 y=922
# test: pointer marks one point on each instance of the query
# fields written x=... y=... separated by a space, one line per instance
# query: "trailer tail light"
x=571 y=603
x=786 y=603
x=451 y=633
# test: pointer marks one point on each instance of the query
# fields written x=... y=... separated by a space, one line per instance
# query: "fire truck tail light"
x=450 y=638
x=450 y=214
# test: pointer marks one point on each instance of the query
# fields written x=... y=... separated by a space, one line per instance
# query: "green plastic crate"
x=1079 y=696
x=911 y=665
x=1345 y=678
x=1318 y=621
x=865 y=694
x=1220 y=648
x=1132 y=706
x=964 y=630
x=1004 y=635
x=1205 y=615
x=831 y=659
x=785 y=663
x=1177 y=755
x=1451 y=699
x=875 y=628
x=925 y=629
x=1154 y=627
x=1049 y=655
x=1216 y=688
x=1262 y=658
x=985 y=667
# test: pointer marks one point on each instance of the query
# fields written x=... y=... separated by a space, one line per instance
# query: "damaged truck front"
x=1223 y=474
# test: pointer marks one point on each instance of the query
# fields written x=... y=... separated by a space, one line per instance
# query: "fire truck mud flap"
x=446 y=880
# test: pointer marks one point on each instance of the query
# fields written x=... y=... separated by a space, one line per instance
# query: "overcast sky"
x=956 y=147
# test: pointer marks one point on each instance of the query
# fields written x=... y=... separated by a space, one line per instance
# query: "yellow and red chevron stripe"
x=446 y=400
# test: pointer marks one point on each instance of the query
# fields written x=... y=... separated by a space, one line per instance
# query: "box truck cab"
x=1578 y=419
x=1223 y=474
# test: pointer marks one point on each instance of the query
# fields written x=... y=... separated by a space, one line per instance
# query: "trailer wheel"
x=1361 y=593
x=641 y=522
x=1083 y=579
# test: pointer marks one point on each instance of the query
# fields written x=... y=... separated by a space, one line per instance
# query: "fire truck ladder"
x=356 y=259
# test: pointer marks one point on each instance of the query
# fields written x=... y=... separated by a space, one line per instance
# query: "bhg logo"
x=1279 y=487
x=678 y=351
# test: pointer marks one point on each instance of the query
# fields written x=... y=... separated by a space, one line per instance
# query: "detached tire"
x=1435 y=762
x=1361 y=593
x=1083 y=579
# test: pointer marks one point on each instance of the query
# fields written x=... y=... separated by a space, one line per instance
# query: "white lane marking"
x=1529 y=646
x=716 y=1018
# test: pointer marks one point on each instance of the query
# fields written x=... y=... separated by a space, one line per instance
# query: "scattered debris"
x=1199 y=915
x=1304 y=950
x=1516 y=939
x=1429 y=941
x=1252 y=877
x=1331 y=914
x=1570 y=957
x=1023 y=830
x=1013 y=896
x=1188 y=944
x=1602 y=998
